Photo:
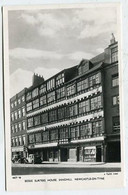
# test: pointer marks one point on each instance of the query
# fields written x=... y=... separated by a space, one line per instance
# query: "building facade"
x=74 y=115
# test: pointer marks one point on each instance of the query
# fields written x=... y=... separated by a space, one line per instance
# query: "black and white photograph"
x=62 y=85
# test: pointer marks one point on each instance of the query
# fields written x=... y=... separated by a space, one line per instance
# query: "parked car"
x=19 y=159
x=23 y=160
x=15 y=158
x=34 y=158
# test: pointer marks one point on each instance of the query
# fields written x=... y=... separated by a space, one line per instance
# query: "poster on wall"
x=62 y=92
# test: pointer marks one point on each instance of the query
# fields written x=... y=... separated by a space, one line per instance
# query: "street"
x=63 y=168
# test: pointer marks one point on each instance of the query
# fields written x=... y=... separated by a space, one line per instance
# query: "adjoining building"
x=74 y=115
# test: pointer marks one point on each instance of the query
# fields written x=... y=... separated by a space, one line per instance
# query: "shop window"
x=60 y=93
x=29 y=106
x=82 y=85
x=53 y=135
x=45 y=136
x=30 y=122
x=43 y=100
x=43 y=88
x=115 y=100
x=60 y=79
x=38 y=138
x=115 y=80
x=96 y=103
x=116 y=123
x=44 y=118
x=35 y=92
x=71 y=90
x=37 y=120
x=51 y=97
x=84 y=107
x=35 y=103
x=86 y=130
x=28 y=96
x=97 y=127
x=23 y=111
x=52 y=115
x=50 y=84
x=31 y=138
x=114 y=54
x=74 y=132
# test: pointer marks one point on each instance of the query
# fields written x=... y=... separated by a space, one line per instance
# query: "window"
x=16 y=115
x=71 y=90
x=54 y=135
x=114 y=54
x=38 y=138
x=82 y=85
x=15 y=103
x=23 y=140
x=96 y=103
x=84 y=107
x=44 y=118
x=116 y=123
x=35 y=92
x=43 y=88
x=60 y=79
x=31 y=138
x=16 y=141
x=19 y=113
x=51 y=97
x=20 y=141
x=13 y=142
x=23 y=98
x=95 y=79
x=23 y=125
x=115 y=80
x=16 y=128
x=35 y=103
x=97 y=127
x=12 y=116
x=51 y=84
x=52 y=115
x=115 y=100
x=30 y=122
x=37 y=120
x=19 y=126
x=19 y=101
x=73 y=110
x=29 y=106
x=61 y=113
x=28 y=96
x=43 y=100
x=12 y=105
x=23 y=111
x=45 y=136
x=75 y=132
x=12 y=128
x=86 y=130
x=63 y=133
x=60 y=93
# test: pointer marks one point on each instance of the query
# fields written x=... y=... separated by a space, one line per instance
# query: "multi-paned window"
x=52 y=115
x=12 y=105
x=44 y=118
x=95 y=79
x=61 y=113
x=15 y=103
x=16 y=115
x=43 y=88
x=23 y=125
x=20 y=140
x=30 y=122
x=115 y=100
x=115 y=80
x=19 y=113
x=60 y=79
x=86 y=130
x=51 y=97
x=23 y=98
x=38 y=138
x=63 y=133
x=19 y=127
x=12 y=116
x=12 y=129
x=51 y=84
x=114 y=54
x=74 y=132
x=35 y=103
x=19 y=101
x=29 y=106
x=28 y=96
x=82 y=85
x=54 y=134
x=60 y=93
x=23 y=111
x=16 y=128
x=84 y=106
x=71 y=90
x=31 y=138
x=97 y=127
x=116 y=123
x=96 y=103
x=37 y=120
x=23 y=140
x=43 y=100
x=35 y=92
x=45 y=136
x=16 y=141
x=72 y=110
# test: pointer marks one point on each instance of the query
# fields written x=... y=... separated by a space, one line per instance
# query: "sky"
x=47 y=41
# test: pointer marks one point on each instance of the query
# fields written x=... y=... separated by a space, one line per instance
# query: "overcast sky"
x=47 y=41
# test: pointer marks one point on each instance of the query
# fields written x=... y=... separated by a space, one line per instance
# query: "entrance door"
x=78 y=154
x=45 y=155
x=64 y=154
x=98 y=154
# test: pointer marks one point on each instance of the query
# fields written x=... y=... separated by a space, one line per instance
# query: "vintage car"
x=34 y=159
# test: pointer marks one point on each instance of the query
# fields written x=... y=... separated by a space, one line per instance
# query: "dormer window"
x=84 y=66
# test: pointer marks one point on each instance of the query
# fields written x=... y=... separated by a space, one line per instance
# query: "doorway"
x=64 y=154
x=98 y=154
